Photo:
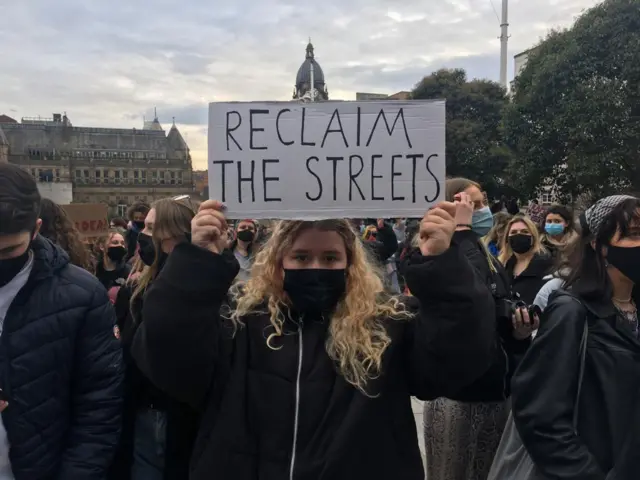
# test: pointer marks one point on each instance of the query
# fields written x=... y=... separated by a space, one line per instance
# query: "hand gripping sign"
x=327 y=160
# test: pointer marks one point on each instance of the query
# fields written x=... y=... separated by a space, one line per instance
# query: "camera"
x=531 y=309
x=508 y=306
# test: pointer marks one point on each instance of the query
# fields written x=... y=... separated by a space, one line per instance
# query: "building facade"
x=362 y=96
x=310 y=68
x=4 y=147
x=519 y=62
x=104 y=165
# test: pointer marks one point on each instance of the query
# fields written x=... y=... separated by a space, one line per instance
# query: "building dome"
x=304 y=72
x=303 y=77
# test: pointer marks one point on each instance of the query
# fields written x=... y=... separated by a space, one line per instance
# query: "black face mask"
x=521 y=243
x=246 y=235
x=10 y=267
x=315 y=291
x=139 y=225
x=146 y=249
x=116 y=254
x=627 y=260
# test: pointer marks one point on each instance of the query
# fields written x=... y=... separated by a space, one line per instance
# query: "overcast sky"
x=109 y=63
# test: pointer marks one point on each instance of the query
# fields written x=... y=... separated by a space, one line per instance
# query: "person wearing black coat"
x=463 y=431
x=588 y=428
x=280 y=398
x=61 y=382
x=384 y=244
x=525 y=259
x=136 y=216
x=112 y=270
x=181 y=421
x=158 y=430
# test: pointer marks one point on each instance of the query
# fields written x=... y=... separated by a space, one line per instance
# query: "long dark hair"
x=57 y=227
x=588 y=277
x=565 y=213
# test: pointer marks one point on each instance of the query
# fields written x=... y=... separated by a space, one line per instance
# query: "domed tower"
x=310 y=68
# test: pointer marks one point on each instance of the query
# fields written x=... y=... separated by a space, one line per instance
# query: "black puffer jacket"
x=274 y=414
x=546 y=383
x=61 y=368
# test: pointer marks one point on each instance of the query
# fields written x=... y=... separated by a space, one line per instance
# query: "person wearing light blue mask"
x=467 y=425
x=559 y=230
x=482 y=221
x=554 y=229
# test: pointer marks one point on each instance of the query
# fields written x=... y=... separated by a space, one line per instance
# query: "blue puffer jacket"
x=61 y=367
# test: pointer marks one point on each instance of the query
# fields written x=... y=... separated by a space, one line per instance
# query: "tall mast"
x=504 y=39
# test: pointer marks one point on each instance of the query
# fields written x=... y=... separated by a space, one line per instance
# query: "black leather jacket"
x=545 y=385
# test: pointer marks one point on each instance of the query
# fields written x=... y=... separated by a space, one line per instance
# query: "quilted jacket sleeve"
x=97 y=395
x=451 y=342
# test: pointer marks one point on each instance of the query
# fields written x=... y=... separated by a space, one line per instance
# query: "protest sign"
x=322 y=160
x=89 y=218
x=536 y=213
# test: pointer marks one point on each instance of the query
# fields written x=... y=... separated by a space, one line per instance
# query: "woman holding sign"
x=309 y=373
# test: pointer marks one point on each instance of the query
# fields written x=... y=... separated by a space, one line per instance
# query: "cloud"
x=111 y=63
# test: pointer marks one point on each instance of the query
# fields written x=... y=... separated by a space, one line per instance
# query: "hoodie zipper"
x=297 y=409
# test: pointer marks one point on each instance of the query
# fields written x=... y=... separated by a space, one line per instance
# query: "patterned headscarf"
x=595 y=215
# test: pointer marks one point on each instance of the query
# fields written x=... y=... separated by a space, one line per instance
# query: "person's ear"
x=37 y=229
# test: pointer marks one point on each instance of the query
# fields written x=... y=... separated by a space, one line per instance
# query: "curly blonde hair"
x=357 y=336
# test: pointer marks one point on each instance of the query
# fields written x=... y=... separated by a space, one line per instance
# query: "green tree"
x=574 y=122
x=474 y=114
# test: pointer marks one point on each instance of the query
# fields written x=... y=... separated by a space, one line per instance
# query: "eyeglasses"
x=186 y=198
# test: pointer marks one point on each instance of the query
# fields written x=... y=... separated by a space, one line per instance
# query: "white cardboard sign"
x=288 y=160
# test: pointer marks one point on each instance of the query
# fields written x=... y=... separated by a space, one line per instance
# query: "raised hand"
x=464 y=211
x=209 y=227
x=437 y=228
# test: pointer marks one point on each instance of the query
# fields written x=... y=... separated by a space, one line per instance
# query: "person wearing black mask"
x=61 y=386
x=158 y=432
x=525 y=259
x=242 y=247
x=306 y=370
x=576 y=392
x=136 y=215
x=112 y=270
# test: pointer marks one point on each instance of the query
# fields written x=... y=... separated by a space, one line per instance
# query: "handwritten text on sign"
x=327 y=160
x=90 y=219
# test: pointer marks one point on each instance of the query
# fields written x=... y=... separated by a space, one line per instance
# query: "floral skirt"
x=461 y=438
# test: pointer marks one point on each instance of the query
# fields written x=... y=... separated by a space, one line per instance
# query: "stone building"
x=105 y=165
x=303 y=78
x=4 y=147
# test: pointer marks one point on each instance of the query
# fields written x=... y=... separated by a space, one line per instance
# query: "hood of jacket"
x=561 y=273
x=48 y=258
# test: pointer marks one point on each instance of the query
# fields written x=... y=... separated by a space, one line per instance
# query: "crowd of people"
x=184 y=345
